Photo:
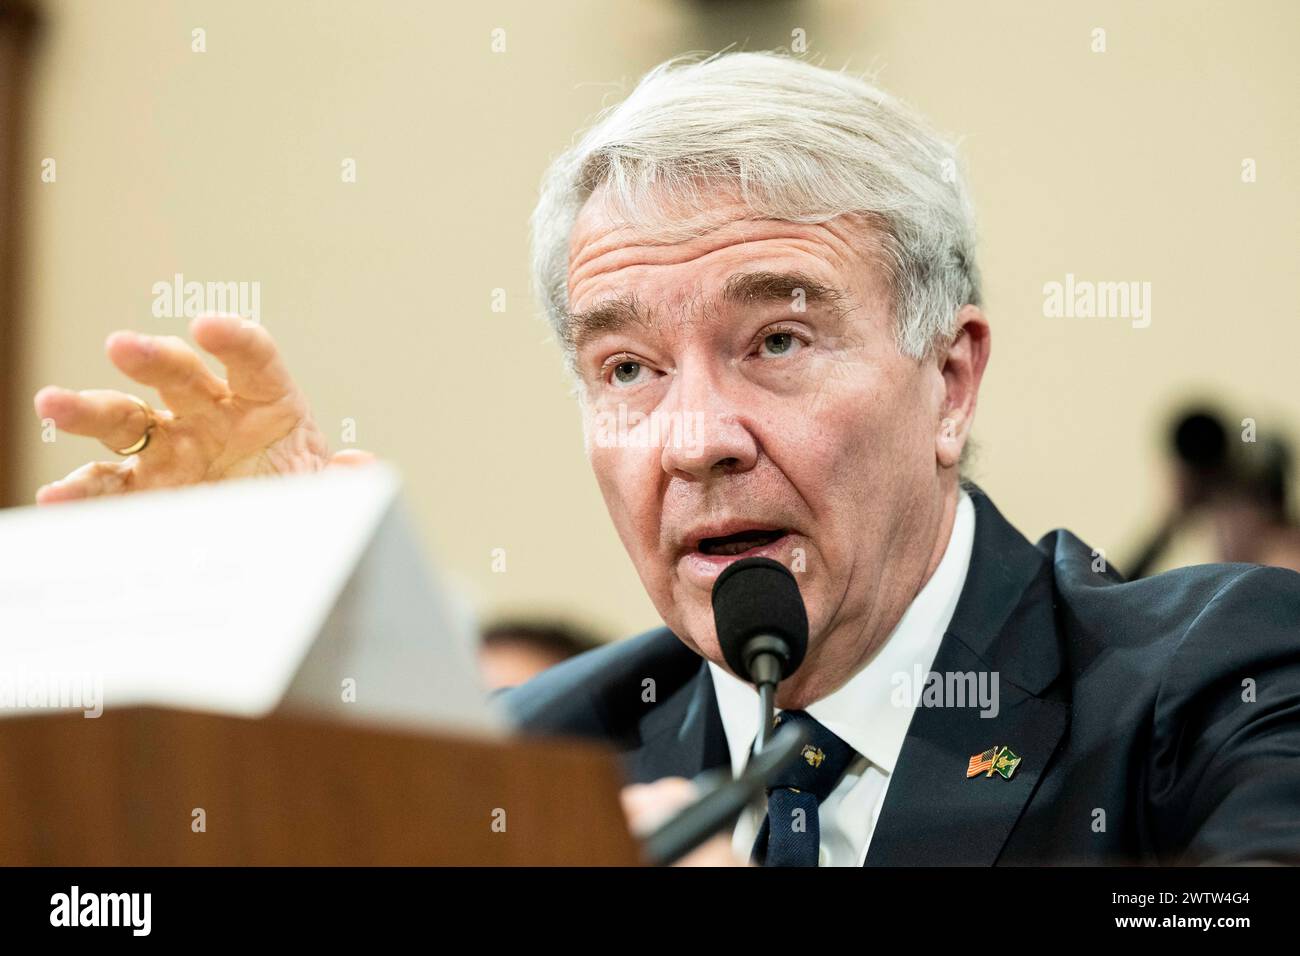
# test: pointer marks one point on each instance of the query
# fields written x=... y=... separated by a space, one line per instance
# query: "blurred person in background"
x=1252 y=516
x=516 y=650
x=1241 y=488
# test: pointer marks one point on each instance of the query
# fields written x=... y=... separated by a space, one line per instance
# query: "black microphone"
x=762 y=629
x=763 y=632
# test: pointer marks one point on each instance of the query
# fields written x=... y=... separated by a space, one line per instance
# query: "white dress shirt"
x=863 y=712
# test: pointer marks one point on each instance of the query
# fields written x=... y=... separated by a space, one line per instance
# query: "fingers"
x=88 y=481
x=646 y=805
x=649 y=805
x=350 y=457
x=166 y=363
x=112 y=417
x=253 y=365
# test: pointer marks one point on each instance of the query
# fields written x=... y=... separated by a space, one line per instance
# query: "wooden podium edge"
x=155 y=787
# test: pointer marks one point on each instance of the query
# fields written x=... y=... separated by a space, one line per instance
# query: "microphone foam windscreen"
x=758 y=596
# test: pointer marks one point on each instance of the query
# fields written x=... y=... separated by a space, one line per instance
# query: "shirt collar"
x=871 y=712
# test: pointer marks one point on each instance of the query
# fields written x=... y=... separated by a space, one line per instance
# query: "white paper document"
x=307 y=592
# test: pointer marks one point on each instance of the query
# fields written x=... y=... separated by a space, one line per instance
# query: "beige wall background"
x=225 y=165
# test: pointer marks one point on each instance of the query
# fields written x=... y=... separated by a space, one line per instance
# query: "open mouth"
x=740 y=542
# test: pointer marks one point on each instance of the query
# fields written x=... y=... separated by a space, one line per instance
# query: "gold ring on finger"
x=143 y=441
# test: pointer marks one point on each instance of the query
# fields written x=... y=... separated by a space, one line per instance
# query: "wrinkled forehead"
x=775 y=260
x=657 y=218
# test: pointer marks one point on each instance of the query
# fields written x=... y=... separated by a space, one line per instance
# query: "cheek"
x=882 y=429
x=833 y=445
x=850 y=448
x=627 y=478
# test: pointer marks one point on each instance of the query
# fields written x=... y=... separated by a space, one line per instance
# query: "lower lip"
x=705 y=568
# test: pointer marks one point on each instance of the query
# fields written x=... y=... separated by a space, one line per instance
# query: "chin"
x=692 y=621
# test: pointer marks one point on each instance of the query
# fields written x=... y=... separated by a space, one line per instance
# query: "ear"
x=962 y=369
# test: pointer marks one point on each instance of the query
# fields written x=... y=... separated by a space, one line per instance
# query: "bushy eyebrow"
x=612 y=315
x=746 y=288
x=742 y=288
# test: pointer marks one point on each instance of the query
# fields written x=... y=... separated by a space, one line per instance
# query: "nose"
x=712 y=439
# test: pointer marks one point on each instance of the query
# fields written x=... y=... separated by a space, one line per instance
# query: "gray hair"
x=799 y=143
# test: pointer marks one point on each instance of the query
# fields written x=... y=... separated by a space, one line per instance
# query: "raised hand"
x=253 y=422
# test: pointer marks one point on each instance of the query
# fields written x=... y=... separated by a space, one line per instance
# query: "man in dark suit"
x=820 y=373
x=1157 y=721
x=762 y=275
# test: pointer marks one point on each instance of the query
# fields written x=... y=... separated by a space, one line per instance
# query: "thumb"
x=351 y=457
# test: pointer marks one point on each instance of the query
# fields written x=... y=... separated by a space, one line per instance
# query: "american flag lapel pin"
x=1000 y=760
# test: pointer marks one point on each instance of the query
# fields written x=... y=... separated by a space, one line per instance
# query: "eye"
x=779 y=344
x=626 y=373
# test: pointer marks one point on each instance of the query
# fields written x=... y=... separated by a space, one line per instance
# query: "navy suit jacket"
x=1158 y=720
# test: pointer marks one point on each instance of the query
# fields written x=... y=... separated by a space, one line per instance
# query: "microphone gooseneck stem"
x=762 y=741
x=766 y=711
x=723 y=800
x=765 y=655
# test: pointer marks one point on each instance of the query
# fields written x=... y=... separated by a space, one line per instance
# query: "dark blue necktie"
x=791 y=833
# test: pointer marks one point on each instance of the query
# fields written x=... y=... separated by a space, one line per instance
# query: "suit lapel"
x=1003 y=625
x=933 y=814
x=682 y=736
